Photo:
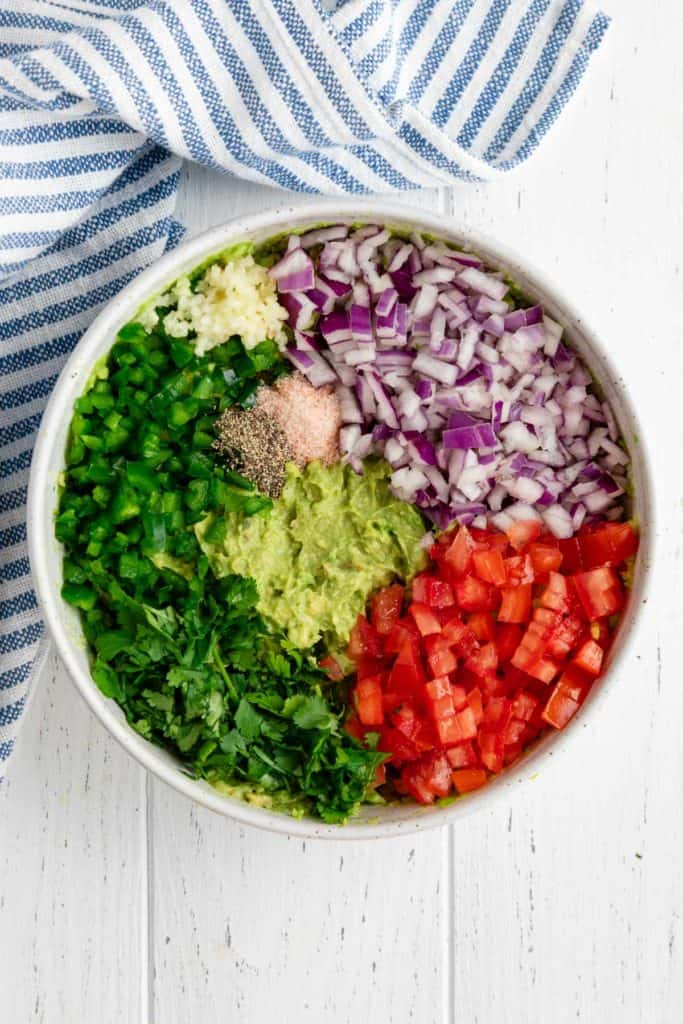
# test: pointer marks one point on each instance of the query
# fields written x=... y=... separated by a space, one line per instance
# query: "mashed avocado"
x=330 y=540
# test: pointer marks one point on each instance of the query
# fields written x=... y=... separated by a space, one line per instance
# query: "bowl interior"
x=48 y=462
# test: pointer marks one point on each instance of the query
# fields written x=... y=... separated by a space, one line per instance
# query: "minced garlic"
x=238 y=298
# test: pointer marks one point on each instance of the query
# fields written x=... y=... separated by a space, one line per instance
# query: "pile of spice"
x=255 y=445
x=290 y=422
x=309 y=416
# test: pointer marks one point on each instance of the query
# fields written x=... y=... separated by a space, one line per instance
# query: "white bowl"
x=48 y=462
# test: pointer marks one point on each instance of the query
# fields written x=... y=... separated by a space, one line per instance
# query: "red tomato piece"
x=473 y=595
x=543 y=669
x=407 y=674
x=467 y=724
x=440 y=658
x=508 y=639
x=475 y=702
x=403 y=631
x=443 y=712
x=492 y=748
x=572 y=557
x=609 y=544
x=462 y=756
x=439 y=594
x=386 y=608
x=458 y=556
x=575 y=682
x=456 y=634
x=364 y=641
x=484 y=661
x=559 y=709
x=497 y=714
x=599 y=591
x=369 y=701
x=523 y=705
x=565 y=635
x=368 y=667
x=557 y=596
x=489 y=566
x=425 y=619
x=518 y=570
x=516 y=606
x=353 y=727
x=428 y=778
x=523 y=533
x=332 y=668
x=514 y=731
x=481 y=624
x=545 y=558
x=466 y=780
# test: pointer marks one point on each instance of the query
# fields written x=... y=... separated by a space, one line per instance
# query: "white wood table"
x=121 y=901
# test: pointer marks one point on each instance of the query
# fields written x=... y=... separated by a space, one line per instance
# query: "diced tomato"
x=424 y=618
x=514 y=731
x=380 y=775
x=508 y=638
x=481 y=624
x=353 y=727
x=407 y=674
x=369 y=700
x=460 y=636
x=440 y=657
x=545 y=558
x=575 y=682
x=544 y=669
x=599 y=592
x=565 y=635
x=484 y=661
x=386 y=608
x=490 y=566
x=402 y=631
x=559 y=709
x=516 y=606
x=400 y=748
x=523 y=533
x=368 y=667
x=467 y=697
x=492 y=748
x=475 y=702
x=497 y=714
x=466 y=780
x=473 y=595
x=512 y=752
x=518 y=570
x=364 y=640
x=557 y=595
x=430 y=590
x=609 y=544
x=443 y=712
x=332 y=668
x=428 y=778
x=523 y=705
x=572 y=557
x=462 y=756
x=439 y=594
x=458 y=556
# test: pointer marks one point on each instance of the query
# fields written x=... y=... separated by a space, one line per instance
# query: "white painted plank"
x=72 y=869
x=250 y=926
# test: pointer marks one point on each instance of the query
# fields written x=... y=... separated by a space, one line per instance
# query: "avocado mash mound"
x=330 y=540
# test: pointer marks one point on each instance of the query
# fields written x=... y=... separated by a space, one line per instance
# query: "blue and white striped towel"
x=101 y=99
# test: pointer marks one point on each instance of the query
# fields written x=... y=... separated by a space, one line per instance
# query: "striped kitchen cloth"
x=100 y=100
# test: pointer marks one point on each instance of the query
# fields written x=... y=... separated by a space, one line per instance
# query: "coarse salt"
x=310 y=417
